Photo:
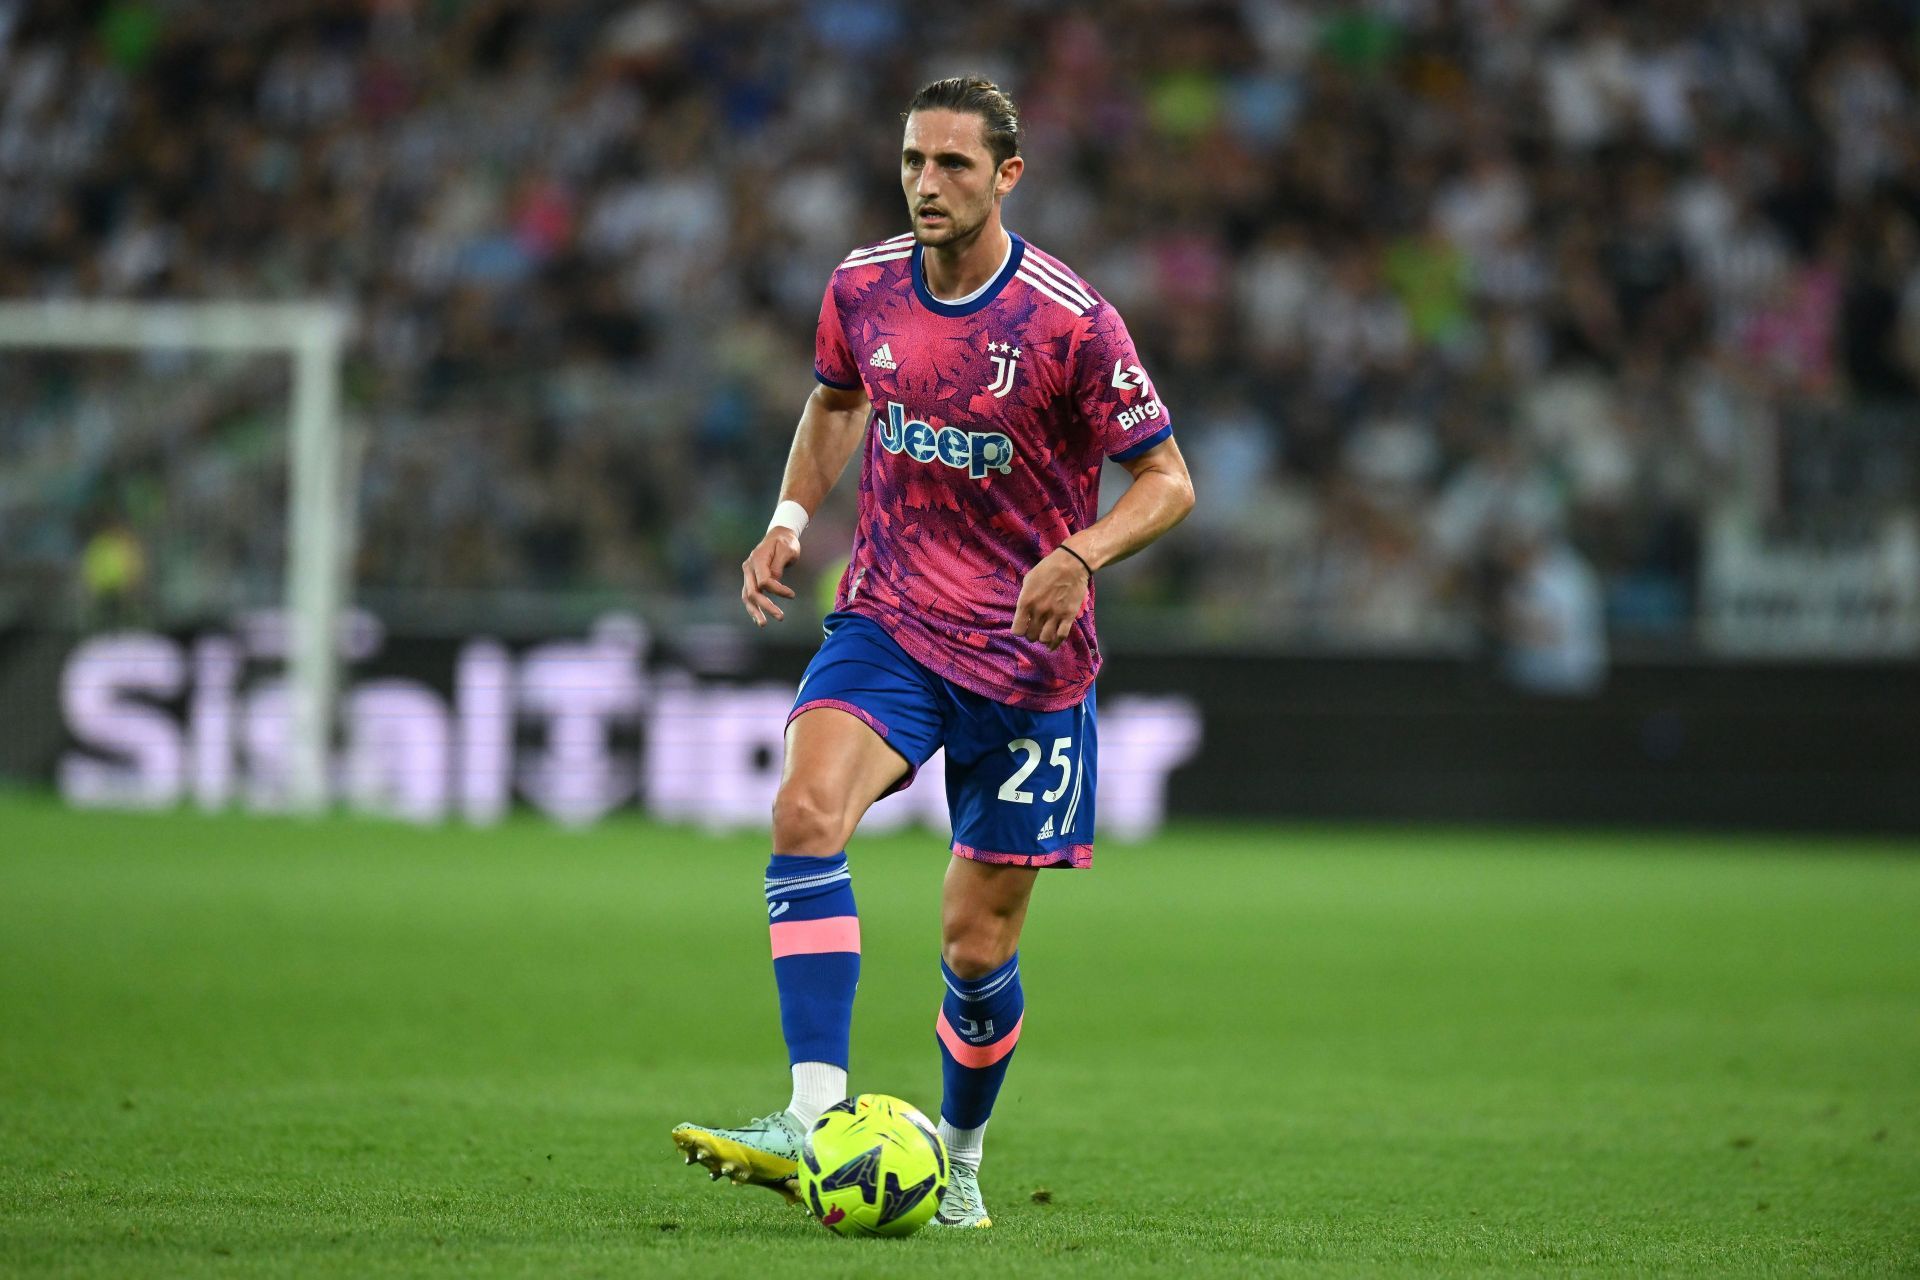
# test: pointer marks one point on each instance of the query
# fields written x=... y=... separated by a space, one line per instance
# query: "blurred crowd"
x=1458 y=305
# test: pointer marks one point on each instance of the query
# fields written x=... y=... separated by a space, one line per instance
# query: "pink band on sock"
x=812 y=937
x=976 y=1055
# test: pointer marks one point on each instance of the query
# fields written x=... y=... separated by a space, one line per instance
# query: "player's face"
x=949 y=176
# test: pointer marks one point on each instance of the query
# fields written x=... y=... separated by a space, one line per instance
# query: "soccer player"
x=988 y=383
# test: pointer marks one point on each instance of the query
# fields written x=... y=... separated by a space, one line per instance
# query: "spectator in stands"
x=1552 y=616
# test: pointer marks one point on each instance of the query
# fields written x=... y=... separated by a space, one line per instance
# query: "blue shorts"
x=1019 y=783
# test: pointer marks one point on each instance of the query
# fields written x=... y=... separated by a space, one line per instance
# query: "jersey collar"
x=988 y=291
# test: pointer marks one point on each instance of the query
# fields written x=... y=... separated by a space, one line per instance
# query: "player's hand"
x=762 y=572
x=1051 y=598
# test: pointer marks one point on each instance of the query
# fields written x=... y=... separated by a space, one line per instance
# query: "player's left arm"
x=1055 y=590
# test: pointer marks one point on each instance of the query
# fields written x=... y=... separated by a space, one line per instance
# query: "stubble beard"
x=953 y=236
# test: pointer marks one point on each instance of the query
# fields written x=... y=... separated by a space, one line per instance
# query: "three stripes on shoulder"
x=1055 y=283
x=900 y=246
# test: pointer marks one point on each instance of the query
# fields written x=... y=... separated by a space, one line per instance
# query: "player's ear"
x=1010 y=171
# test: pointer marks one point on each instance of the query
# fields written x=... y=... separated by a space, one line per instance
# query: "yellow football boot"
x=764 y=1152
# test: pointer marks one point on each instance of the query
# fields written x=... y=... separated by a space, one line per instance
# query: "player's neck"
x=955 y=271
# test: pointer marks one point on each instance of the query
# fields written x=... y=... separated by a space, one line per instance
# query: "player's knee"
x=972 y=955
x=807 y=821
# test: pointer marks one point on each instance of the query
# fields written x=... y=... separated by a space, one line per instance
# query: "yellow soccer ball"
x=873 y=1166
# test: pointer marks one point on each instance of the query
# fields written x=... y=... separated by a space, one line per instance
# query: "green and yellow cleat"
x=961 y=1205
x=764 y=1152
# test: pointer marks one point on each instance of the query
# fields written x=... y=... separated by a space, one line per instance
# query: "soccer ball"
x=873 y=1166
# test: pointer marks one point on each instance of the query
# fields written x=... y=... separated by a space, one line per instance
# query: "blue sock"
x=978 y=1026
x=816 y=954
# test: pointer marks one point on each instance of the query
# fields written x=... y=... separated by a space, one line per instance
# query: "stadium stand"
x=1436 y=291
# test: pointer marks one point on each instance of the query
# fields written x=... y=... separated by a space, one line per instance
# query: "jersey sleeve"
x=1114 y=395
x=833 y=361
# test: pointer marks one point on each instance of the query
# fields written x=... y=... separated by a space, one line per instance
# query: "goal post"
x=319 y=518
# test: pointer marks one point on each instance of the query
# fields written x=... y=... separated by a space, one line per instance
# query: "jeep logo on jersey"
x=975 y=452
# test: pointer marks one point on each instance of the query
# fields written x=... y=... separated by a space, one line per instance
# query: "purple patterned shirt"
x=991 y=416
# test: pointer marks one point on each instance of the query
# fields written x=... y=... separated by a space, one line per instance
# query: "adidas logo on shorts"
x=1046 y=831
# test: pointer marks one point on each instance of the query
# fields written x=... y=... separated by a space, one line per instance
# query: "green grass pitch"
x=235 y=1046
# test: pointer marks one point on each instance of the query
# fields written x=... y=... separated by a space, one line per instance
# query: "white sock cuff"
x=816 y=1086
x=964 y=1145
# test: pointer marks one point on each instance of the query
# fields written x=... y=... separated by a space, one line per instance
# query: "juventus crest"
x=1006 y=363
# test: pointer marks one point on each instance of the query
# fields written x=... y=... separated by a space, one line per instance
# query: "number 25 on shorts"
x=1059 y=758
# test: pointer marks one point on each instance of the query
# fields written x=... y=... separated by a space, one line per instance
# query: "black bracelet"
x=1077 y=556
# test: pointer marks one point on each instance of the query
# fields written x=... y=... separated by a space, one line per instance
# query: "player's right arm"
x=831 y=427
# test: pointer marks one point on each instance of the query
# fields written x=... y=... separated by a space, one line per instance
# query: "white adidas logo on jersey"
x=883 y=358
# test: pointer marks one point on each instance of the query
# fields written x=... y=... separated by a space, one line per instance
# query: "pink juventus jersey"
x=991 y=416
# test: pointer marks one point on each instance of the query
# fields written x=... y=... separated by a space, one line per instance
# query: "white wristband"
x=789 y=515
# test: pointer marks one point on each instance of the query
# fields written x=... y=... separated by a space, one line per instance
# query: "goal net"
x=170 y=462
